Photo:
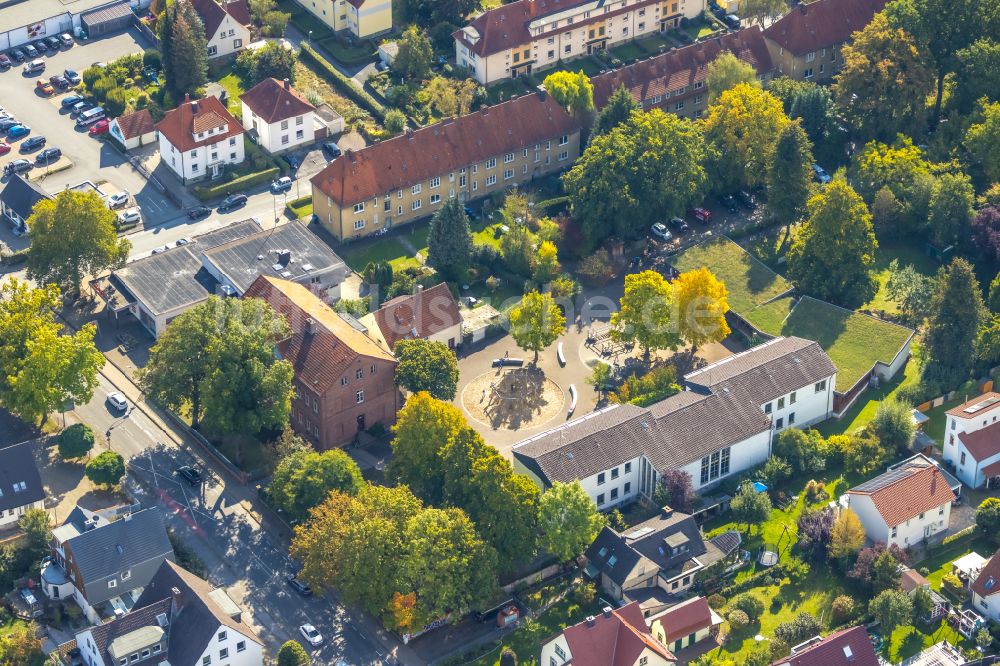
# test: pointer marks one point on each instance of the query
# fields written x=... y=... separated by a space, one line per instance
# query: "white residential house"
x=684 y=624
x=199 y=139
x=426 y=314
x=616 y=636
x=277 y=116
x=227 y=25
x=986 y=589
x=903 y=506
x=972 y=441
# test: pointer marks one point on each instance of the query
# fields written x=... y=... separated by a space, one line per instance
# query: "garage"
x=107 y=20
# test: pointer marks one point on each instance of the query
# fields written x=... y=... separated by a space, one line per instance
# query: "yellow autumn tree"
x=547 y=266
x=702 y=304
x=847 y=535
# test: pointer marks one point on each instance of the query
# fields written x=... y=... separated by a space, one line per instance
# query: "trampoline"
x=768 y=558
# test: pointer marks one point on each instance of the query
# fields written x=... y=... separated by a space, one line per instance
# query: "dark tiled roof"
x=849 y=647
x=427 y=312
x=441 y=148
x=137 y=618
x=212 y=14
x=21 y=195
x=17 y=466
x=906 y=492
x=272 y=100
x=121 y=545
x=180 y=125
x=136 y=124
x=616 y=638
x=811 y=26
x=983 y=443
x=507 y=26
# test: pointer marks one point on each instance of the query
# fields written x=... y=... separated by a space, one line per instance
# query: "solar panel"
x=883 y=480
x=639 y=533
x=979 y=406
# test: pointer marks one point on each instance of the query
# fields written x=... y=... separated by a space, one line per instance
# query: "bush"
x=716 y=601
x=954 y=586
x=237 y=184
x=804 y=626
x=924 y=571
x=779 y=649
x=596 y=270
x=738 y=620
x=152 y=58
x=843 y=609
x=341 y=82
x=749 y=604
x=76 y=441
x=107 y=469
x=395 y=121
x=114 y=102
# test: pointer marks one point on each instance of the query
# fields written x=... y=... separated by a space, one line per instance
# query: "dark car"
x=40 y=46
x=70 y=101
x=331 y=149
x=48 y=156
x=190 y=474
x=72 y=76
x=703 y=215
x=7 y=123
x=746 y=199
x=732 y=21
x=17 y=166
x=198 y=212
x=679 y=224
x=728 y=202
x=5 y=62
x=32 y=143
x=17 y=55
x=232 y=202
x=60 y=82
x=299 y=586
x=30 y=51
x=53 y=43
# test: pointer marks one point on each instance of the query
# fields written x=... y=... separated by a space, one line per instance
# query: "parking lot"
x=91 y=158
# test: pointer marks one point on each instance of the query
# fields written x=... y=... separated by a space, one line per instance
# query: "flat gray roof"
x=19 y=14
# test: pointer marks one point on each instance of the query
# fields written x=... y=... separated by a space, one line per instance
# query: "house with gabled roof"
x=685 y=624
x=972 y=440
x=616 y=637
x=426 y=314
x=848 y=647
x=20 y=484
x=228 y=25
x=133 y=129
x=986 y=589
x=17 y=201
x=358 y=18
x=278 y=117
x=200 y=138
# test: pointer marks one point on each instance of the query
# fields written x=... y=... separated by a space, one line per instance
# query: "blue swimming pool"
x=759 y=487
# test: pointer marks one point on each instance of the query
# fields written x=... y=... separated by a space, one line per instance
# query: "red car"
x=100 y=127
x=703 y=215
x=4 y=147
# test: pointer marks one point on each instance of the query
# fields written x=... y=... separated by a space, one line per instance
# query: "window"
x=643 y=661
x=205 y=661
x=714 y=465
x=232 y=141
x=212 y=50
x=941 y=511
x=724 y=463
x=224 y=653
x=112 y=583
x=679 y=105
x=416 y=189
x=781 y=402
x=600 y=499
x=508 y=158
x=435 y=182
x=820 y=386
x=145 y=653
x=491 y=180
x=359 y=374
x=360 y=396
x=791 y=419
x=698 y=99
x=568 y=48
x=435 y=198
x=600 y=479
x=614 y=494
x=779 y=424
x=125 y=575
x=524 y=168
x=461 y=181
x=564 y=155
x=387 y=207
x=560 y=653
x=491 y=163
x=508 y=174
x=810 y=56
x=284 y=140
x=563 y=140
x=343 y=382
x=298 y=120
x=767 y=408
x=156 y=649
x=359 y=207
x=373 y=368
x=822 y=67
x=416 y=205
x=962 y=460
x=359 y=224
x=241 y=646
x=808 y=73
x=791 y=398
x=194 y=167
x=893 y=532
x=628 y=468
x=284 y=124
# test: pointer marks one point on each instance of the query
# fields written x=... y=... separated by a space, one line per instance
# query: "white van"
x=36 y=65
x=90 y=116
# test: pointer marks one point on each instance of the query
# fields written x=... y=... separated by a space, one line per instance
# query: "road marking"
x=155 y=481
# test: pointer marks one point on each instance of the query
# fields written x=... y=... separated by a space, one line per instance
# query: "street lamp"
x=310 y=37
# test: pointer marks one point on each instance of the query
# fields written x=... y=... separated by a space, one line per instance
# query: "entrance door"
x=361 y=422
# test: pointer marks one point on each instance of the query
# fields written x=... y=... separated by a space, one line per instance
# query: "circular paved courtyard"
x=514 y=399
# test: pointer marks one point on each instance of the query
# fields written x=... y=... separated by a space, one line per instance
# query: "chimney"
x=310 y=326
x=607 y=611
x=417 y=288
x=194 y=107
x=187 y=98
x=667 y=511
x=287 y=85
x=177 y=602
x=591 y=621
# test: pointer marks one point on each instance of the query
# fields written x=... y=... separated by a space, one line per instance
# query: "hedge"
x=14 y=258
x=222 y=189
x=755 y=580
x=298 y=207
x=344 y=84
x=556 y=202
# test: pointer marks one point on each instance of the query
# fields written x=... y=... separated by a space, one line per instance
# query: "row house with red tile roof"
x=972 y=440
x=616 y=637
x=986 y=589
x=199 y=139
x=519 y=38
x=410 y=176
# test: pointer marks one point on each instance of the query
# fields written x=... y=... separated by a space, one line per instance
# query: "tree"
x=184 y=48
x=426 y=365
x=911 y=290
x=517 y=247
x=750 y=605
x=303 y=479
x=76 y=441
x=993 y=300
x=423 y=426
x=42 y=369
x=293 y=654
x=875 y=571
x=789 y=175
x=37 y=534
x=272 y=60
x=833 y=253
x=923 y=603
x=617 y=110
x=743 y=125
x=750 y=506
x=843 y=608
x=19 y=645
x=805 y=450
x=883 y=82
x=847 y=535
x=536 y=323
x=861 y=451
x=727 y=71
x=813 y=106
x=680 y=489
x=986 y=233
x=953 y=325
x=982 y=139
x=988 y=518
x=761 y=10
x=645 y=315
x=951 y=209
x=450 y=97
x=415 y=57
x=449 y=241
x=395 y=121
x=738 y=620
x=775 y=470
x=431 y=12
x=891 y=608
x=702 y=304
x=978 y=74
x=73 y=235
x=984 y=639
x=815 y=533
x=572 y=91
x=265 y=14
x=115 y=102
x=885 y=572
x=568 y=520
x=646 y=168
x=106 y=469
x=988 y=341
x=893 y=424
x=547 y=266
x=805 y=625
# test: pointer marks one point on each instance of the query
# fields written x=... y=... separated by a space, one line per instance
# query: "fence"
x=535 y=577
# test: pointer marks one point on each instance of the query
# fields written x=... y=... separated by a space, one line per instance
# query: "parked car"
x=703 y=215
x=83 y=105
x=89 y=117
x=17 y=166
x=679 y=224
x=820 y=174
x=660 y=231
x=311 y=634
x=41 y=46
x=190 y=474
x=298 y=586
x=7 y=123
x=746 y=199
x=331 y=149
x=283 y=184
x=4 y=147
x=183 y=240
x=728 y=202
x=100 y=127
x=732 y=21
x=5 y=61
x=32 y=143
x=198 y=212
x=118 y=401
x=70 y=101
x=66 y=39
x=160 y=250
x=48 y=156
x=232 y=202
x=72 y=76
x=18 y=56
x=59 y=81
x=44 y=87
x=30 y=51
x=18 y=131
x=118 y=199
x=130 y=215
x=34 y=66
x=53 y=43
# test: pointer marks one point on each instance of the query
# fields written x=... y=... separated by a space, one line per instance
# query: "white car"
x=660 y=230
x=118 y=401
x=183 y=241
x=310 y=634
x=160 y=250
x=118 y=199
x=130 y=215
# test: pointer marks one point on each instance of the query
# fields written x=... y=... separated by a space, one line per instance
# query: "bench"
x=559 y=355
x=572 y=400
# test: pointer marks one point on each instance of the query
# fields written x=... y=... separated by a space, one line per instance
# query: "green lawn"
x=234 y=88
x=935 y=427
x=501 y=92
x=701 y=28
x=301 y=208
x=359 y=254
x=771 y=316
x=348 y=54
x=905 y=253
x=749 y=281
x=629 y=52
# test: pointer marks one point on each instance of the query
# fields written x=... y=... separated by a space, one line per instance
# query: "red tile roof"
x=988 y=581
x=685 y=619
x=992 y=470
x=915 y=491
x=960 y=412
x=180 y=125
x=273 y=100
x=136 y=124
x=212 y=14
x=849 y=647
x=321 y=357
x=239 y=10
x=507 y=26
x=427 y=312
x=911 y=579
x=815 y=25
x=443 y=147
x=617 y=638
x=983 y=443
x=682 y=67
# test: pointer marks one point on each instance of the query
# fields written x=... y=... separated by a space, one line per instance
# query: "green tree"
x=106 y=469
x=893 y=424
x=536 y=323
x=743 y=124
x=988 y=342
x=951 y=209
x=727 y=71
x=37 y=534
x=750 y=506
x=184 y=48
x=978 y=74
x=617 y=110
x=304 y=479
x=911 y=290
x=293 y=654
x=272 y=60
x=265 y=14
x=833 y=253
x=19 y=645
x=988 y=518
x=431 y=12
x=42 y=369
x=952 y=326
x=762 y=10
x=423 y=426
x=72 y=236
x=923 y=603
x=517 y=247
x=805 y=450
x=76 y=441
x=813 y=106
x=645 y=315
x=416 y=55
x=395 y=121
x=568 y=520
x=644 y=169
x=885 y=572
x=993 y=301
x=883 y=83
x=891 y=608
x=789 y=175
x=426 y=365
x=573 y=92
x=984 y=639
x=982 y=139
x=115 y=102
x=449 y=241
